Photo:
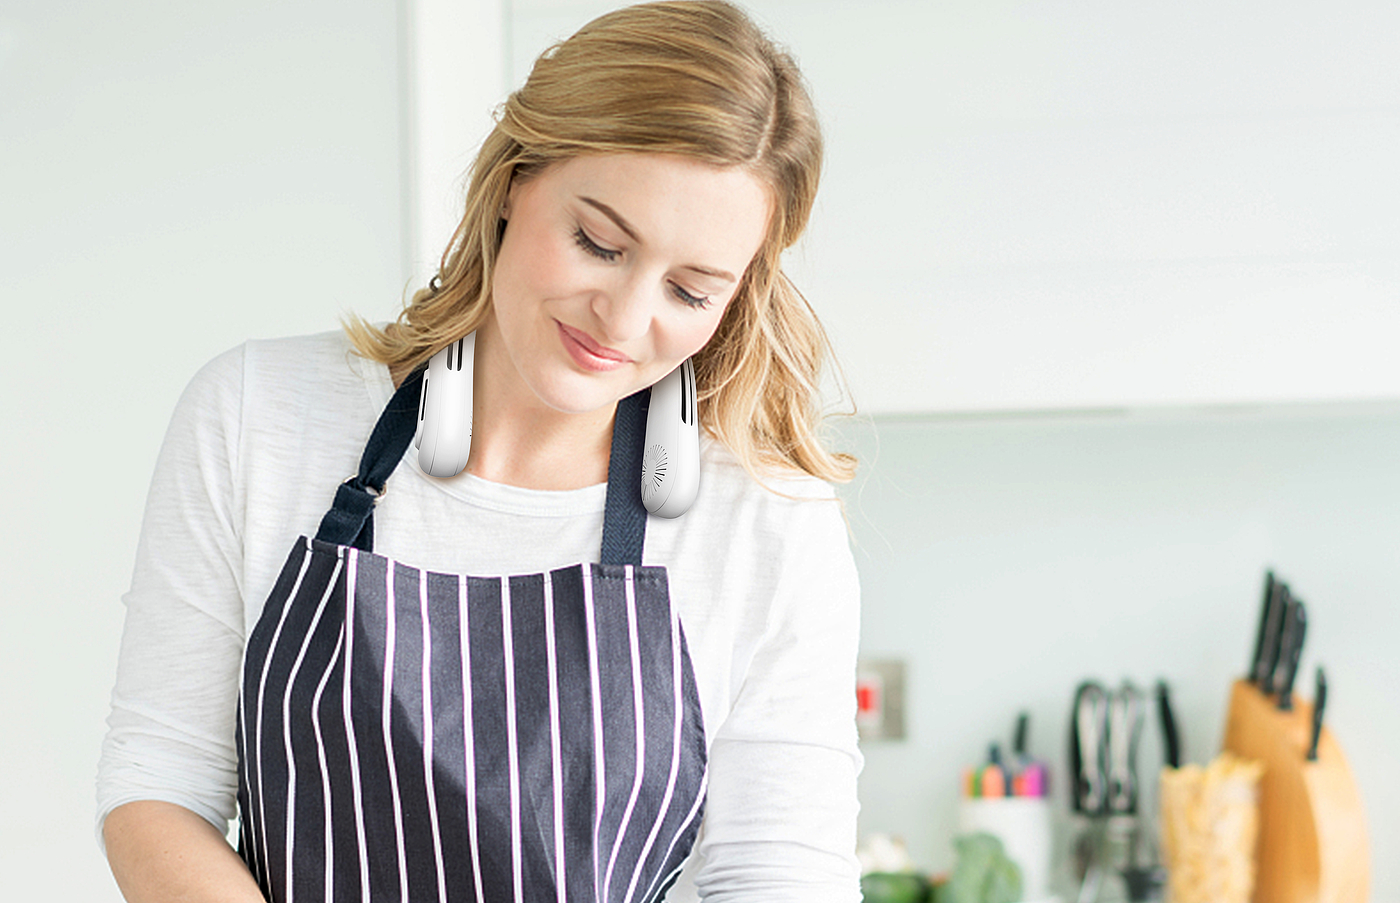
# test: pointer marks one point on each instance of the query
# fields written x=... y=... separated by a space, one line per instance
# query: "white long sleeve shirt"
x=765 y=586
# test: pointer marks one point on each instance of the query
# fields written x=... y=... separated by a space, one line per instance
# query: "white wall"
x=174 y=178
x=1008 y=559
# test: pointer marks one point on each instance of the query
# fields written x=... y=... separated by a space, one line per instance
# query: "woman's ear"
x=510 y=197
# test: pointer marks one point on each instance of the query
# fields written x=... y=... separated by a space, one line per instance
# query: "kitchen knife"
x=1273 y=635
x=1171 y=743
x=1252 y=674
x=1319 y=703
x=1087 y=748
x=1295 y=629
x=1124 y=730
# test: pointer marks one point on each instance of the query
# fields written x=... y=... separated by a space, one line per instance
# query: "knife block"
x=1312 y=846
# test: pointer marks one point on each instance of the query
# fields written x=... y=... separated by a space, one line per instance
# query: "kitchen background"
x=1116 y=288
x=1005 y=560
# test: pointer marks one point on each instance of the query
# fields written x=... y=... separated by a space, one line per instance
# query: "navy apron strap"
x=624 y=515
x=350 y=522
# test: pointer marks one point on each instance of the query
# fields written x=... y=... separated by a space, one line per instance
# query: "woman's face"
x=614 y=269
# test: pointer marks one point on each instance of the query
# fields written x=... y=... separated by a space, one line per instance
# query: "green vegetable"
x=983 y=874
x=894 y=887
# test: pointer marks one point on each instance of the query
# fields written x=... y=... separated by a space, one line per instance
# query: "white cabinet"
x=1087 y=204
x=1097 y=204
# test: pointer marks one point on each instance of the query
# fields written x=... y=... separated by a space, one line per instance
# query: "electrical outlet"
x=880 y=699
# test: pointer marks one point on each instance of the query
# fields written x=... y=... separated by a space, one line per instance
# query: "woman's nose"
x=624 y=308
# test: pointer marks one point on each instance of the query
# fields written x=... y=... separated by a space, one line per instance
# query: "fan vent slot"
x=688 y=392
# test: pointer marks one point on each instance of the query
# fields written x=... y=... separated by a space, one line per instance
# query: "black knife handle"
x=1252 y=674
x=1273 y=636
x=1319 y=703
x=1170 y=741
x=1295 y=629
x=1088 y=749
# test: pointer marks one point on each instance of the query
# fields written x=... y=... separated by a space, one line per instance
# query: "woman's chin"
x=576 y=393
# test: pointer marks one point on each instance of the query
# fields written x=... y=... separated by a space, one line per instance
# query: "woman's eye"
x=592 y=247
x=688 y=299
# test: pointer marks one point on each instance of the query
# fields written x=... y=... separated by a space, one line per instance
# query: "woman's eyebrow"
x=614 y=216
x=625 y=226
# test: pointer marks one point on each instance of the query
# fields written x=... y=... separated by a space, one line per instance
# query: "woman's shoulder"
x=726 y=474
x=316 y=358
x=293 y=374
x=294 y=396
x=774 y=509
x=321 y=356
x=763 y=541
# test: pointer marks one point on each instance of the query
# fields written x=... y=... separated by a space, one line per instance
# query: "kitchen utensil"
x=1088 y=749
x=1295 y=629
x=1125 y=713
x=1273 y=635
x=1171 y=741
x=1265 y=612
x=1319 y=703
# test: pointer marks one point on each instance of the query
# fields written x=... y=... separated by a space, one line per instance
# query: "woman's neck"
x=519 y=441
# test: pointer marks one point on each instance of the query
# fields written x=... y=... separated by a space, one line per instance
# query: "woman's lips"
x=587 y=353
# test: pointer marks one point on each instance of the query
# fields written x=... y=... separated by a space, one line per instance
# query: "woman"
x=391 y=729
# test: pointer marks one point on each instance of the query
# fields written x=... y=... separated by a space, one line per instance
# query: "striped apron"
x=407 y=735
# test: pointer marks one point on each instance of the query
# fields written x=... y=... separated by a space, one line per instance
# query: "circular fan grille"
x=653 y=470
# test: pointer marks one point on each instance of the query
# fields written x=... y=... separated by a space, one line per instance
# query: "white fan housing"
x=671 y=460
x=444 y=435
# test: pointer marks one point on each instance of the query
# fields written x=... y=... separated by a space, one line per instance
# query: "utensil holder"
x=1023 y=826
x=1210 y=828
x=1313 y=846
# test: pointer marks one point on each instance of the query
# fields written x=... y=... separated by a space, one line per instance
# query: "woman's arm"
x=164 y=853
x=780 y=818
x=171 y=729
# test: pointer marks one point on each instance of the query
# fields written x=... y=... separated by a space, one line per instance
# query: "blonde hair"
x=695 y=78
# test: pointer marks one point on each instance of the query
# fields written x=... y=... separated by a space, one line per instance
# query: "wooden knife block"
x=1313 y=846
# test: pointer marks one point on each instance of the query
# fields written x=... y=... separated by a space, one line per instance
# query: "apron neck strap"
x=624 y=515
x=350 y=520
